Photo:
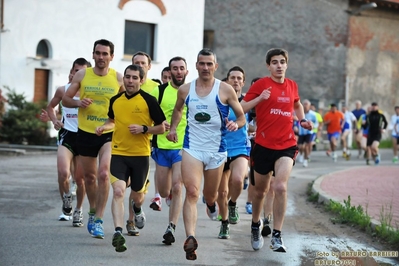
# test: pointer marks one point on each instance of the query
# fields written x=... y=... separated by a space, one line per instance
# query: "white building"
x=39 y=40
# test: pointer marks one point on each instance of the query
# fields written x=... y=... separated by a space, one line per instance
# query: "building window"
x=139 y=37
x=209 y=36
x=42 y=50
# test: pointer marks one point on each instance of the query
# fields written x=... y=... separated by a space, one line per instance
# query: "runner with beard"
x=166 y=154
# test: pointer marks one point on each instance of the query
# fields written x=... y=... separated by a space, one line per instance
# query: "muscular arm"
x=298 y=108
x=108 y=125
x=247 y=106
x=232 y=100
x=59 y=93
x=68 y=100
x=178 y=112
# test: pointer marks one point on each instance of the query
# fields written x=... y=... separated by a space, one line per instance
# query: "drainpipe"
x=2 y=15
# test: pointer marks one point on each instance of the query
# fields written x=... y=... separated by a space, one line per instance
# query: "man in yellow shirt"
x=135 y=115
x=96 y=85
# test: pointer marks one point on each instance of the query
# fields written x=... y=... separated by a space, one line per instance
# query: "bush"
x=21 y=123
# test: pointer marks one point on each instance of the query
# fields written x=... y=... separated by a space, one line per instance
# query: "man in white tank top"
x=204 y=148
x=67 y=150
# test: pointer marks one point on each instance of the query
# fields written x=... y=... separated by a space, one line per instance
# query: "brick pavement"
x=371 y=187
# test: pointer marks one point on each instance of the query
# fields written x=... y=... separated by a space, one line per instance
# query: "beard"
x=178 y=83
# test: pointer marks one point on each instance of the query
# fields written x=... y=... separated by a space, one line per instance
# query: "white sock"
x=157 y=195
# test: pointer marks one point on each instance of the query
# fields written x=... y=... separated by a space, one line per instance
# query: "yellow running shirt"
x=167 y=105
x=100 y=89
x=149 y=85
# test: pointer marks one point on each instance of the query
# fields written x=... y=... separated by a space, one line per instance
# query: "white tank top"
x=206 y=128
x=70 y=115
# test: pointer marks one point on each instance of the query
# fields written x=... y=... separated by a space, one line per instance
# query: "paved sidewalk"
x=375 y=188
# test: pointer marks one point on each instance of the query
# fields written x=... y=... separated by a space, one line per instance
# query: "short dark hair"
x=206 y=52
x=142 y=53
x=81 y=62
x=105 y=43
x=276 y=51
x=177 y=58
x=374 y=104
x=165 y=69
x=235 y=68
x=255 y=80
x=135 y=68
x=333 y=105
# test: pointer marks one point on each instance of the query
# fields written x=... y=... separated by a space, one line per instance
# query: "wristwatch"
x=145 y=129
x=304 y=120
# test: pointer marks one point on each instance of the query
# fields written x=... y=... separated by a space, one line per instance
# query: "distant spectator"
x=166 y=75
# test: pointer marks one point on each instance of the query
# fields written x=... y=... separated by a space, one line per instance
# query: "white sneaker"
x=300 y=158
x=64 y=217
x=305 y=163
x=256 y=236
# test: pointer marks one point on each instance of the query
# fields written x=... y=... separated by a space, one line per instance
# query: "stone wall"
x=333 y=56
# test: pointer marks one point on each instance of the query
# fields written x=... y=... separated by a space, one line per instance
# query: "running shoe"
x=77 y=218
x=395 y=159
x=212 y=215
x=219 y=218
x=277 y=245
x=266 y=226
x=131 y=228
x=190 y=246
x=118 y=241
x=90 y=223
x=328 y=152
x=168 y=200
x=248 y=207
x=305 y=163
x=224 y=231
x=98 y=231
x=139 y=219
x=367 y=161
x=234 y=218
x=169 y=237
x=256 y=236
x=300 y=158
x=64 y=217
x=67 y=205
x=377 y=159
x=156 y=204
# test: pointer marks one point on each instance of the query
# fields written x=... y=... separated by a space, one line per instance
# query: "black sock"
x=135 y=209
x=173 y=226
x=255 y=224
x=225 y=222
x=276 y=233
x=232 y=203
x=118 y=229
x=212 y=208
x=248 y=202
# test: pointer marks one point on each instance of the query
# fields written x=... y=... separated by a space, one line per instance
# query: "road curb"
x=324 y=197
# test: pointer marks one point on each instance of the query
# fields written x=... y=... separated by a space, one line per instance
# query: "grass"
x=356 y=216
x=312 y=197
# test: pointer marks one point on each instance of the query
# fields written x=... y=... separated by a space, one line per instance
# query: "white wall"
x=72 y=26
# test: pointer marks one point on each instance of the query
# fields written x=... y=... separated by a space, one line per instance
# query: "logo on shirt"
x=275 y=111
x=281 y=99
x=202 y=117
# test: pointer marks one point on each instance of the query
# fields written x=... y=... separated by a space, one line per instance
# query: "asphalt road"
x=30 y=233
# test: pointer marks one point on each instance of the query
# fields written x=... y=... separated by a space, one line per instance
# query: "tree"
x=21 y=121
